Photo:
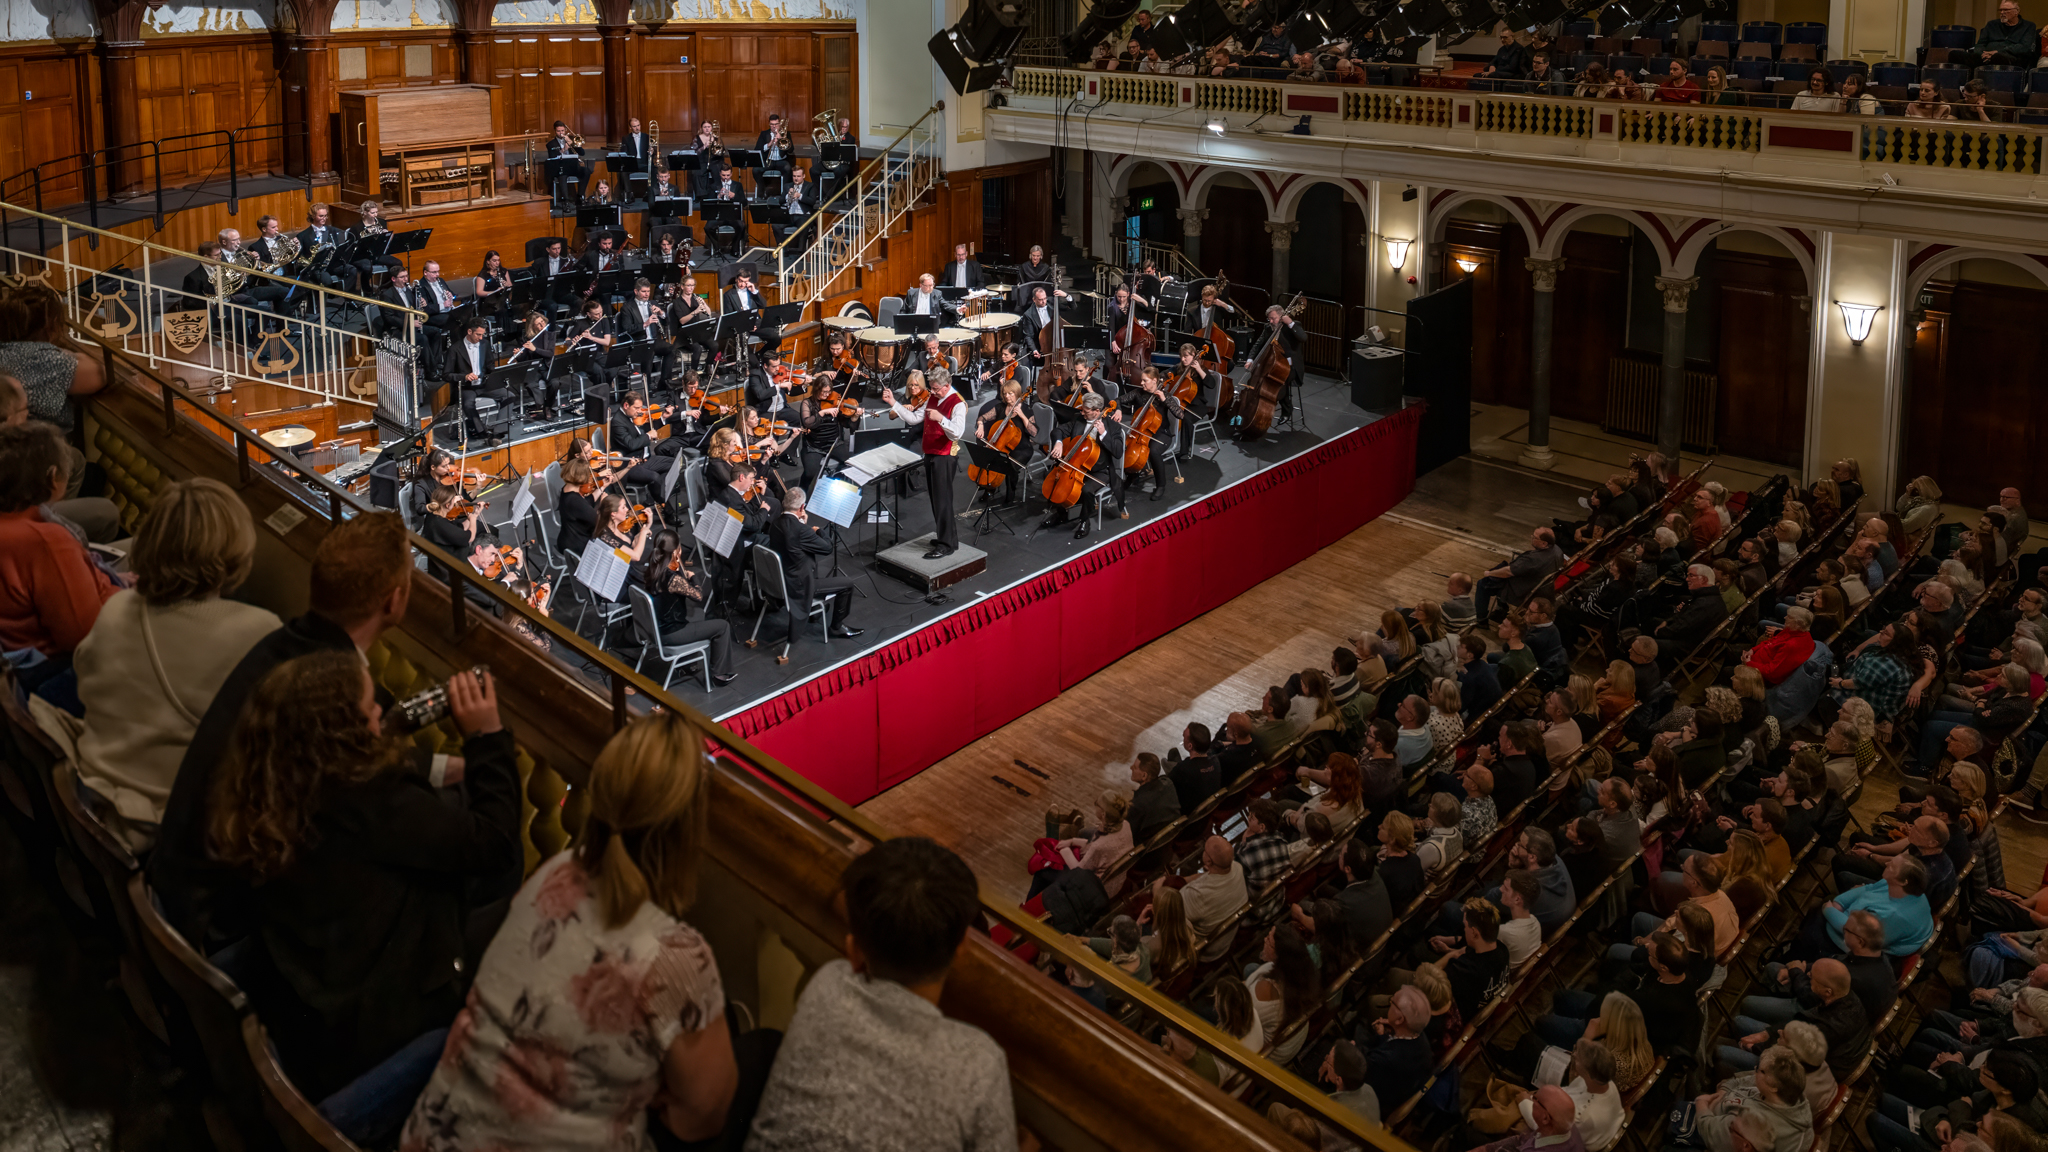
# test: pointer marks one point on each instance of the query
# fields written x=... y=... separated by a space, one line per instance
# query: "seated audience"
x=51 y=589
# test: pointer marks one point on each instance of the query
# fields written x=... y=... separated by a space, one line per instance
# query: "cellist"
x=1014 y=406
x=1085 y=383
x=1150 y=391
x=1109 y=464
x=1208 y=386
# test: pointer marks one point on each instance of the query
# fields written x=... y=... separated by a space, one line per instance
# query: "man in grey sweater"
x=870 y=1062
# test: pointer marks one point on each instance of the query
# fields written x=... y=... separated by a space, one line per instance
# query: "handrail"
x=174 y=253
x=462 y=583
x=88 y=167
x=818 y=216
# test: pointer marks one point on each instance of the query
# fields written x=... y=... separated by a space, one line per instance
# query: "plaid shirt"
x=1882 y=680
x=1263 y=858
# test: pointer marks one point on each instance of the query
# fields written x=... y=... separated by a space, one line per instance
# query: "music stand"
x=988 y=459
x=743 y=159
x=907 y=324
x=637 y=184
x=564 y=176
x=409 y=241
x=721 y=216
x=598 y=217
x=839 y=153
x=515 y=378
x=621 y=164
x=671 y=207
x=768 y=183
x=698 y=333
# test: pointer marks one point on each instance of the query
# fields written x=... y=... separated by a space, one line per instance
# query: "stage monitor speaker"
x=384 y=484
x=1439 y=341
x=594 y=410
x=1376 y=378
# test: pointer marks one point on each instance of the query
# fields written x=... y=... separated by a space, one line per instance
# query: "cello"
x=1144 y=427
x=1265 y=385
x=1006 y=437
x=1067 y=481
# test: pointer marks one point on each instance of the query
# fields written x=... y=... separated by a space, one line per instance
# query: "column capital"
x=1191 y=220
x=1282 y=232
x=1543 y=272
x=1677 y=291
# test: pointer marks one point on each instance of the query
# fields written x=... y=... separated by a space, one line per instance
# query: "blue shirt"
x=1413 y=747
x=1908 y=922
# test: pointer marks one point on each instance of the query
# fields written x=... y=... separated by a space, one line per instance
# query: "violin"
x=462 y=507
x=641 y=516
x=833 y=402
x=503 y=560
x=762 y=427
x=654 y=412
x=707 y=408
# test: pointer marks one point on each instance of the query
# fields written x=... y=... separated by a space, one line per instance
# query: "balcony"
x=1940 y=181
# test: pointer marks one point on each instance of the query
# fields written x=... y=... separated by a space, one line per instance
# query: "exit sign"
x=1145 y=204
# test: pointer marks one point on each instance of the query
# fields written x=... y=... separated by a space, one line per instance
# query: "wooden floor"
x=1219 y=663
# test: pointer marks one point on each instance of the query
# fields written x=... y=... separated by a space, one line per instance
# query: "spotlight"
x=1104 y=18
x=1215 y=125
x=1408 y=193
x=972 y=52
x=1856 y=319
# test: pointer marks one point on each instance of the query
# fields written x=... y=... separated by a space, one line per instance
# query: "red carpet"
x=879 y=720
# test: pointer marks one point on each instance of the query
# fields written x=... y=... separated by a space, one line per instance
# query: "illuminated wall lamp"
x=1467 y=265
x=1214 y=125
x=1856 y=319
x=1397 y=252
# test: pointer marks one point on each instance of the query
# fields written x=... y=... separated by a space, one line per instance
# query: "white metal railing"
x=839 y=234
x=139 y=304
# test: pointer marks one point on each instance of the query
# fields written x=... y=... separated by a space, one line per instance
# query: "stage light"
x=971 y=53
x=1467 y=265
x=1301 y=129
x=1104 y=18
x=1214 y=125
x=1856 y=319
x=1397 y=252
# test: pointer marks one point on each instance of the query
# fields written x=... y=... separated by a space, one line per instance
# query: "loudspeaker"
x=384 y=484
x=1439 y=340
x=594 y=410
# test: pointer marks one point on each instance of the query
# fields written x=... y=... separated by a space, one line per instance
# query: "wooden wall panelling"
x=395 y=60
x=1587 y=325
x=1992 y=387
x=41 y=120
x=213 y=85
x=665 y=87
x=1762 y=359
x=750 y=73
x=1500 y=315
x=186 y=230
x=838 y=74
x=461 y=238
x=550 y=76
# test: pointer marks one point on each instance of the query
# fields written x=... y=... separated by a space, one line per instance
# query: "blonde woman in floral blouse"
x=595 y=1000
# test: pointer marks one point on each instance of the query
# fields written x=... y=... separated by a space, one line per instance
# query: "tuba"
x=824 y=134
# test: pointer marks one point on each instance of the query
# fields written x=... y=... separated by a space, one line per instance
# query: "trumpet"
x=824 y=134
x=717 y=142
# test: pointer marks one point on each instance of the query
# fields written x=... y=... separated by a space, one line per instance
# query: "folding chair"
x=774 y=589
x=648 y=628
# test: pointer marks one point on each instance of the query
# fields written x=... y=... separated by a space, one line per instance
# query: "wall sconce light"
x=1214 y=125
x=1856 y=319
x=1397 y=252
x=1468 y=266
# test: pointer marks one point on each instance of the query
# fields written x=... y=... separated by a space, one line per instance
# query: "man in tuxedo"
x=402 y=292
x=265 y=245
x=800 y=199
x=927 y=355
x=635 y=144
x=469 y=360
x=626 y=433
x=560 y=148
x=553 y=263
x=1109 y=464
x=1209 y=309
x=746 y=498
x=1293 y=340
x=803 y=544
x=718 y=183
x=198 y=283
x=742 y=296
x=371 y=224
x=602 y=256
x=964 y=271
x=776 y=147
x=924 y=300
x=435 y=296
x=1037 y=315
x=261 y=291
x=316 y=233
x=643 y=319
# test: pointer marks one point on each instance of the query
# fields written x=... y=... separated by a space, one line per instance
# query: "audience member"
x=51 y=590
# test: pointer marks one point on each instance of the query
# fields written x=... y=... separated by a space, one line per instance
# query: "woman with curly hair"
x=372 y=896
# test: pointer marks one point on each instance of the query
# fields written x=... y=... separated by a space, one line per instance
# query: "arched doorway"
x=1762 y=333
x=1329 y=263
x=1234 y=237
x=1153 y=200
x=1977 y=387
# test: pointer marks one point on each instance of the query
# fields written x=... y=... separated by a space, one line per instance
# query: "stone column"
x=309 y=89
x=1282 y=232
x=1191 y=233
x=120 y=41
x=1543 y=277
x=1671 y=393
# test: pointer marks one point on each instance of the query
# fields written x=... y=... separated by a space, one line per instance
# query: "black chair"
x=538 y=246
x=774 y=589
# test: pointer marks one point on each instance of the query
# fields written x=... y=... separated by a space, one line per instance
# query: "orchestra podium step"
x=906 y=562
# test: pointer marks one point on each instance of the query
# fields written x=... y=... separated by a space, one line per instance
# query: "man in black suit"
x=746 y=498
x=1293 y=341
x=627 y=434
x=778 y=151
x=371 y=224
x=435 y=296
x=469 y=360
x=635 y=144
x=361 y=584
x=800 y=199
x=802 y=541
x=265 y=246
x=964 y=271
x=603 y=256
x=1038 y=314
x=640 y=318
x=313 y=236
x=560 y=147
x=403 y=293
x=924 y=300
x=551 y=264
x=1109 y=464
x=742 y=296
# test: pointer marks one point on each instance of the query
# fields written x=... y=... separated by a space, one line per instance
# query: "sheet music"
x=602 y=570
x=668 y=482
x=836 y=500
x=524 y=495
x=878 y=461
x=718 y=528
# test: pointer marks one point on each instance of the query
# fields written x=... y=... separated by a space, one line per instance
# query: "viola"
x=762 y=427
x=654 y=413
x=641 y=516
x=461 y=507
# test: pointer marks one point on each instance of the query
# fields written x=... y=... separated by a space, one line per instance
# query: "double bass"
x=1265 y=385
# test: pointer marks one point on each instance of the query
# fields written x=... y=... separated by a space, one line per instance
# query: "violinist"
x=631 y=432
x=928 y=355
x=944 y=416
x=577 y=507
x=843 y=364
x=802 y=541
x=616 y=515
x=1009 y=368
x=1013 y=405
x=827 y=433
x=689 y=308
x=443 y=471
x=746 y=496
x=1109 y=464
x=1150 y=392
x=764 y=448
x=642 y=314
x=451 y=520
x=769 y=384
x=678 y=595
x=686 y=427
